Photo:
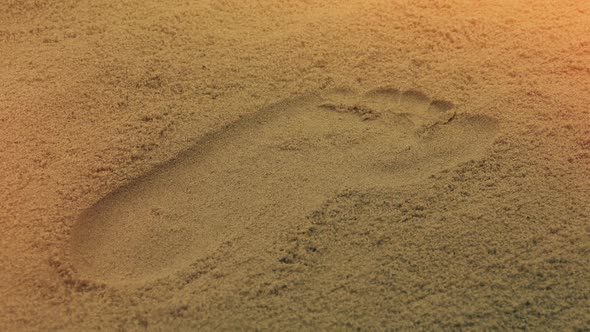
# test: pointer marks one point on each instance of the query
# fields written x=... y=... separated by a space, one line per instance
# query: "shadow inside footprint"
x=275 y=165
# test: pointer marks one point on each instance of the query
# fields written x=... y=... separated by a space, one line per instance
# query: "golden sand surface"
x=294 y=165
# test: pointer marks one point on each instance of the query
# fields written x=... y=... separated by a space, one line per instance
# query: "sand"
x=294 y=165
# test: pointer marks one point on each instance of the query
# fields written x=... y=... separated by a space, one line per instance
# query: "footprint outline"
x=98 y=224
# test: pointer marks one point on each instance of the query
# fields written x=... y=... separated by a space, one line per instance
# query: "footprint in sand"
x=267 y=169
